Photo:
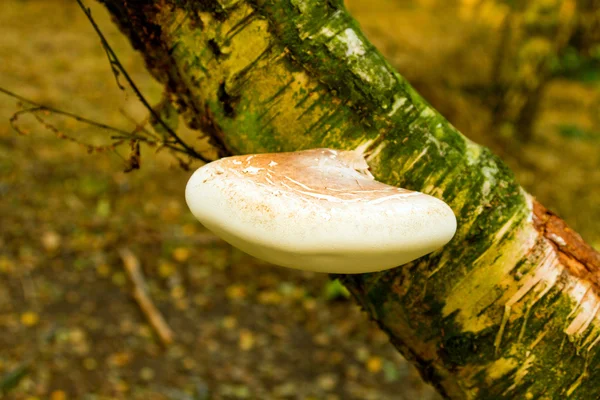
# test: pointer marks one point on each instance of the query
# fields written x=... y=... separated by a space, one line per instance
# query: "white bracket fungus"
x=318 y=210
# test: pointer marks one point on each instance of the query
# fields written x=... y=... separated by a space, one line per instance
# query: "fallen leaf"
x=236 y=292
x=269 y=297
x=6 y=265
x=189 y=229
x=51 y=241
x=374 y=364
x=166 y=269
x=181 y=254
x=327 y=381
x=246 y=341
x=229 y=322
x=30 y=318
x=103 y=270
x=58 y=395
x=120 y=359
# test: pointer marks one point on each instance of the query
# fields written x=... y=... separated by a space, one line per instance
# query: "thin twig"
x=114 y=61
x=140 y=126
x=41 y=107
x=123 y=133
x=132 y=266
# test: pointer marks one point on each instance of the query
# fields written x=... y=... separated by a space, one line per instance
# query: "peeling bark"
x=578 y=256
x=510 y=308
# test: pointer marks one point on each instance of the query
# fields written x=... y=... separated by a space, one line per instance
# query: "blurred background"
x=522 y=77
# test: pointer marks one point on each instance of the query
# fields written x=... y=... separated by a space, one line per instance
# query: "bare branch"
x=114 y=61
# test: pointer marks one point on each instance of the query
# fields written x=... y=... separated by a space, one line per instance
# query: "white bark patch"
x=354 y=44
x=427 y=113
x=529 y=202
x=362 y=148
x=302 y=5
x=328 y=33
x=417 y=158
x=588 y=310
x=365 y=75
x=376 y=152
x=399 y=102
x=473 y=152
x=489 y=273
x=543 y=279
x=520 y=374
x=489 y=173
x=440 y=146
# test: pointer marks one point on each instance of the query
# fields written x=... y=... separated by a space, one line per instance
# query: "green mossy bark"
x=481 y=318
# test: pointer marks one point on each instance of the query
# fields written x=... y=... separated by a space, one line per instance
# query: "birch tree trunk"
x=510 y=308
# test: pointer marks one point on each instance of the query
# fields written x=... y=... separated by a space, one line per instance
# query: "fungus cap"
x=318 y=210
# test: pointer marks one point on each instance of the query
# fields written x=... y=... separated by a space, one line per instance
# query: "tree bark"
x=510 y=307
x=536 y=32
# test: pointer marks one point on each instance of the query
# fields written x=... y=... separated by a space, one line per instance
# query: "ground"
x=69 y=327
